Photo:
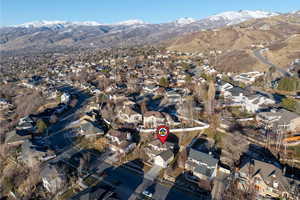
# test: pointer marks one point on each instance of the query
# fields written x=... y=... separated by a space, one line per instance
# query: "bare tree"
x=233 y=193
x=211 y=97
x=144 y=107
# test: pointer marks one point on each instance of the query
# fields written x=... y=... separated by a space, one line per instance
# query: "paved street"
x=133 y=184
x=59 y=137
x=264 y=60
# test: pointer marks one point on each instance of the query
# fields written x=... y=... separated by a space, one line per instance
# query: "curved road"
x=264 y=60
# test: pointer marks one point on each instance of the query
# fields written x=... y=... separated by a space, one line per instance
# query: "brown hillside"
x=279 y=33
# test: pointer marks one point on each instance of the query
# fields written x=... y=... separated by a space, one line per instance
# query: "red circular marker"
x=162 y=133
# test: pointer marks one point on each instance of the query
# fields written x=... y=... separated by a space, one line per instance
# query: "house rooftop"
x=90 y=128
x=157 y=143
x=267 y=171
x=203 y=157
x=153 y=113
x=204 y=170
x=285 y=116
x=166 y=155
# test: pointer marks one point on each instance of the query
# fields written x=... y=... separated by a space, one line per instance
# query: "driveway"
x=153 y=172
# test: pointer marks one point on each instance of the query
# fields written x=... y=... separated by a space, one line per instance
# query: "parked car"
x=147 y=193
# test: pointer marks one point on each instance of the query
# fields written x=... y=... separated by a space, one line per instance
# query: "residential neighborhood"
x=116 y=119
x=83 y=122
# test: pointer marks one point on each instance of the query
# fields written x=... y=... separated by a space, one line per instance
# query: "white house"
x=128 y=115
x=164 y=158
x=248 y=78
x=152 y=119
x=255 y=102
x=150 y=88
x=250 y=102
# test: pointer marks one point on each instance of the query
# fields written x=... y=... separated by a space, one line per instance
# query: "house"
x=120 y=141
x=155 y=147
x=248 y=78
x=32 y=155
x=88 y=129
x=4 y=104
x=150 y=88
x=128 y=115
x=164 y=158
x=51 y=93
x=223 y=87
x=280 y=118
x=267 y=179
x=152 y=119
x=254 y=103
x=251 y=102
x=202 y=165
x=26 y=124
x=235 y=93
x=173 y=97
x=14 y=139
x=53 y=178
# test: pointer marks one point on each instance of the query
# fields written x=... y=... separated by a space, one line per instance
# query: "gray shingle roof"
x=285 y=116
x=89 y=128
x=203 y=158
x=204 y=170
x=235 y=91
x=166 y=155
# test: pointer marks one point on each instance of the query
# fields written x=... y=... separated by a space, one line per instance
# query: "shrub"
x=289 y=84
x=163 y=82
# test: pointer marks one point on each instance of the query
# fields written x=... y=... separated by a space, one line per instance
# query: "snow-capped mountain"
x=241 y=16
x=230 y=17
x=45 y=23
x=130 y=22
x=185 y=21
x=44 y=34
x=51 y=24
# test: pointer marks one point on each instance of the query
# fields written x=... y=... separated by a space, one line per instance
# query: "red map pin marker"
x=162 y=133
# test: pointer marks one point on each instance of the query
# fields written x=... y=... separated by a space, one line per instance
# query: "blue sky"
x=108 y=11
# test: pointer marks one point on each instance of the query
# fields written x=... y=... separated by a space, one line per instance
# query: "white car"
x=147 y=193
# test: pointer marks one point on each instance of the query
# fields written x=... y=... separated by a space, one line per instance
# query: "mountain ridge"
x=61 y=34
x=246 y=14
x=278 y=35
